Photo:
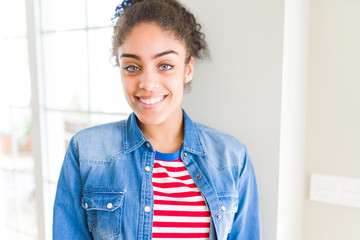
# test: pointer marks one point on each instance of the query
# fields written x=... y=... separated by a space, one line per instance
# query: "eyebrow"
x=156 y=56
x=129 y=56
x=165 y=53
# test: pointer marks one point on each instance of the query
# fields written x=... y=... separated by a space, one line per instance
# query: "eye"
x=165 y=67
x=131 y=68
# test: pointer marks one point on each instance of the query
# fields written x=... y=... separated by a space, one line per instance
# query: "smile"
x=151 y=101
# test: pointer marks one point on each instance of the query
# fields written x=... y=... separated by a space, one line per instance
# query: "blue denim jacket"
x=104 y=188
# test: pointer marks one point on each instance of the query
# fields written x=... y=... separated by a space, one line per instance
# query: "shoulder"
x=217 y=135
x=101 y=141
x=224 y=149
x=100 y=131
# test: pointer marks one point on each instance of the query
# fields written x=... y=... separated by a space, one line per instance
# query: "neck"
x=167 y=136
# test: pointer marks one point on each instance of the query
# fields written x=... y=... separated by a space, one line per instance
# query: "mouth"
x=151 y=101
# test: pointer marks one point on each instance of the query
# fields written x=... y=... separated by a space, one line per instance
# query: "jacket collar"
x=134 y=138
x=192 y=142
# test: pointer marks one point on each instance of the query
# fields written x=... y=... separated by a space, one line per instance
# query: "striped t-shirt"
x=180 y=211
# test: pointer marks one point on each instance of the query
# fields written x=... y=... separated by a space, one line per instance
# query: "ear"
x=189 y=70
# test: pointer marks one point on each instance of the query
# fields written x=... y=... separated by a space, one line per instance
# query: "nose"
x=148 y=81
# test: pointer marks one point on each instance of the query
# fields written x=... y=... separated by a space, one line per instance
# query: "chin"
x=150 y=119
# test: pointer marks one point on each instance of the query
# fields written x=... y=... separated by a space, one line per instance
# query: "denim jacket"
x=104 y=186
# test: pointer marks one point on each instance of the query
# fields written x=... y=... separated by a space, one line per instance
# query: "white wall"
x=239 y=91
x=333 y=112
x=285 y=80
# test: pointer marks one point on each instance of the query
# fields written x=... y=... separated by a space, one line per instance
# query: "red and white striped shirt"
x=180 y=210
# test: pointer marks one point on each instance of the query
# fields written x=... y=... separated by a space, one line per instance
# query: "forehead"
x=149 y=38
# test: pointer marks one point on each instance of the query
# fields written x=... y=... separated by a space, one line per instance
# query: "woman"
x=157 y=175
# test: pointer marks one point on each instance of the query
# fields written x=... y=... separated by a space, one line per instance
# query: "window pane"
x=12 y=18
x=17 y=180
x=101 y=12
x=62 y=15
x=65 y=69
x=105 y=83
x=15 y=77
x=49 y=198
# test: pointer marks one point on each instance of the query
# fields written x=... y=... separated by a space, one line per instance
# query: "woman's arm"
x=69 y=217
x=247 y=219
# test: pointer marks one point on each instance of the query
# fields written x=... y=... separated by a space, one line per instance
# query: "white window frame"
x=37 y=107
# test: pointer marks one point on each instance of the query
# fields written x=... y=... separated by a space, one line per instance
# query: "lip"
x=150 y=105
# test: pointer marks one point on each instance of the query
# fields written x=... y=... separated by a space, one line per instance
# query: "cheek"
x=128 y=85
x=178 y=80
x=176 y=88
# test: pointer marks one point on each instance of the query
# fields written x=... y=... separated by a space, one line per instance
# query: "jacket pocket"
x=104 y=213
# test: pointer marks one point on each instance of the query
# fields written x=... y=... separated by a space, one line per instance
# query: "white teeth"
x=151 y=101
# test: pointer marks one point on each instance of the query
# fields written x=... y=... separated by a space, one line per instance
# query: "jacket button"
x=185 y=155
x=147 y=209
x=218 y=216
x=223 y=208
x=235 y=208
x=86 y=205
x=109 y=205
x=148 y=145
x=198 y=176
x=147 y=168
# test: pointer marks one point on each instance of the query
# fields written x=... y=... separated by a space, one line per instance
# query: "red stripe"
x=165 y=175
x=178 y=195
x=173 y=185
x=180 y=203
x=182 y=224
x=180 y=235
x=182 y=213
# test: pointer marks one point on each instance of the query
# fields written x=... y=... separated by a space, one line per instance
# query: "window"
x=17 y=180
x=79 y=88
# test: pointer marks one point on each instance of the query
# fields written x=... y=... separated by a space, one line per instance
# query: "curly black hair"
x=169 y=15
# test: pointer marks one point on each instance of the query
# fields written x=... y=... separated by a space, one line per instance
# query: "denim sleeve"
x=69 y=220
x=247 y=219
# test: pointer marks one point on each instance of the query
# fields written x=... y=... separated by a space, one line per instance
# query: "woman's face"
x=153 y=73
